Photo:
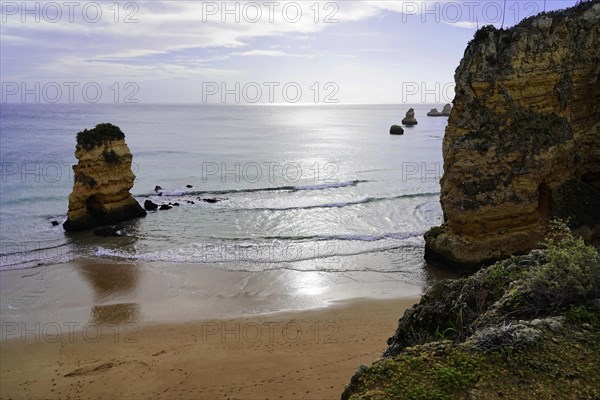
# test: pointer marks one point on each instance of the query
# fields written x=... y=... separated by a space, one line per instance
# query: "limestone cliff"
x=103 y=178
x=523 y=139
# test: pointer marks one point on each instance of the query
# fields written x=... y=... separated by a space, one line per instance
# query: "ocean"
x=302 y=188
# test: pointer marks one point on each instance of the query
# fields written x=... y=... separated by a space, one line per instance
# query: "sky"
x=242 y=52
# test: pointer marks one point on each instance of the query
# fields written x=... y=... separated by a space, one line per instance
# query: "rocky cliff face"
x=523 y=140
x=103 y=178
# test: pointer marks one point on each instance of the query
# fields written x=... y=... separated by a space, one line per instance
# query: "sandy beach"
x=143 y=331
x=289 y=355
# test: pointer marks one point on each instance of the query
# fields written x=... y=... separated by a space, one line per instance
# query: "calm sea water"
x=315 y=188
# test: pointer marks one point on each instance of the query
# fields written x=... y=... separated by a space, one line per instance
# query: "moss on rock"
x=526 y=327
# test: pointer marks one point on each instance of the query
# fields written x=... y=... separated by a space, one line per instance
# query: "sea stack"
x=434 y=113
x=410 y=118
x=522 y=144
x=447 y=110
x=103 y=178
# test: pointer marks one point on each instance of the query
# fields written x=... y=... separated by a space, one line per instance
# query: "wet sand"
x=88 y=292
x=109 y=331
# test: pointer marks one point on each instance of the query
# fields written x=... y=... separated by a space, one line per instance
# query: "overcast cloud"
x=174 y=51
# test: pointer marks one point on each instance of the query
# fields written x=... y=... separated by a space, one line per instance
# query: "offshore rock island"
x=103 y=178
x=523 y=140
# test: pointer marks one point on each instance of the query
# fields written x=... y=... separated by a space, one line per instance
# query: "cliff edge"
x=524 y=328
x=103 y=178
x=523 y=140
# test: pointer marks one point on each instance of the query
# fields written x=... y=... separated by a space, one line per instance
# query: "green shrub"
x=573 y=268
x=494 y=346
x=88 y=139
x=582 y=315
x=570 y=275
x=482 y=34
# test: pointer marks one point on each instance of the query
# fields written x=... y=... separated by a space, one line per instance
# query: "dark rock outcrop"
x=108 y=231
x=447 y=110
x=150 y=205
x=410 y=120
x=523 y=139
x=396 y=130
x=103 y=178
x=434 y=113
x=165 y=207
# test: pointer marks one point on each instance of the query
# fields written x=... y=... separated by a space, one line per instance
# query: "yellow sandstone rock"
x=523 y=139
x=103 y=178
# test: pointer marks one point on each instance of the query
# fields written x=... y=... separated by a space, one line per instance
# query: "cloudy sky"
x=390 y=51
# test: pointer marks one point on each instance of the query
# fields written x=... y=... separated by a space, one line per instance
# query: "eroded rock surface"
x=523 y=141
x=103 y=178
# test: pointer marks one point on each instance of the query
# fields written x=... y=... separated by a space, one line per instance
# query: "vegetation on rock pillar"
x=88 y=139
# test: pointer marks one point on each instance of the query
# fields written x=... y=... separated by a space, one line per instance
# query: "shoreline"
x=103 y=293
x=309 y=354
x=184 y=330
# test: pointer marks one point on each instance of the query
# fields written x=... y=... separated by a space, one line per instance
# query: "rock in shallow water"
x=447 y=110
x=410 y=118
x=108 y=231
x=103 y=178
x=434 y=113
x=396 y=130
x=150 y=205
